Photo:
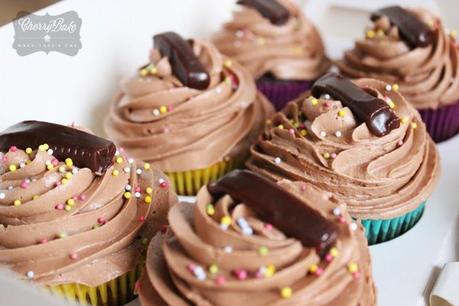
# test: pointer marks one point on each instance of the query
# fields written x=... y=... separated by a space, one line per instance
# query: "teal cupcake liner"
x=381 y=230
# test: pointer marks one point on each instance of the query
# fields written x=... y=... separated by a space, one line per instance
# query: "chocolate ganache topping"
x=60 y=221
x=321 y=141
x=159 y=119
x=287 y=47
x=409 y=49
x=222 y=252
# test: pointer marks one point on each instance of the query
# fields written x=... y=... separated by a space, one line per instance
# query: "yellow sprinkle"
x=119 y=160
x=270 y=270
x=127 y=195
x=17 y=202
x=263 y=251
x=163 y=109
x=226 y=220
x=62 y=235
x=213 y=269
x=395 y=87
x=68 y=175
x=280 y=126
x=143 y=72
x=68 y=208
x=28 y=150
x=115 y=172
x=148 y=199
x=69 y=162
x=50 y=167
x=304 y=133
x=380 y=33
x=64 y=181
x=391 y=104
x=12 y=168
x=146 y=166
x=326 y=155
x=227 y=63
x=453 y=34
x=35 y=197
x=353 y=267
x=371 y=34
x=261 y=41
x=414 y=125
x=71 y=202
x=314 y=101
x=405 y=120
x=313 y=268
x=286 y=292
x=342 y=113
x=268 y=121
x=297 y=50
x=210 y=210
x=62 y=169
x=334 y=252
x=43 y=147
x=153 y=69
x=149 y=190
x=28 y=162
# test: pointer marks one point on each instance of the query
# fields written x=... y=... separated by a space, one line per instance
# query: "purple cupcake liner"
x=279 y=92
x=441 y=123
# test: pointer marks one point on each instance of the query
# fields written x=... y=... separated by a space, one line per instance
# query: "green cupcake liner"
x=381 y=230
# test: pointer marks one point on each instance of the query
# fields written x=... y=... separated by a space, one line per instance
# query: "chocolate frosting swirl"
x=291 y=51
x=197 y=241
x=428 y=76
x=319 y=141
x=63 y=224
x=178 y=128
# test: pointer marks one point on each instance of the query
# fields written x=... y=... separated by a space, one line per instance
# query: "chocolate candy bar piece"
x=184 y=63
x=375 y=112
x=85 y=150
x=279 y=207
x=413 y=31
x=270 y=9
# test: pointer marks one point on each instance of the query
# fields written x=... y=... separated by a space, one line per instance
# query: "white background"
x=116 y=37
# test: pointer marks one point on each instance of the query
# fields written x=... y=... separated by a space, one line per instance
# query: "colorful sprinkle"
x=141 y=218
x=341 y=113
x=240 y=274
x=127 y=195
x=263 y=251
x=220 y=280
x=388 y=87
x=353 y=267
x=326 y=155
x=277 y=160
x=163 y=109
x=353 y=226
x=404 y=120
x=146 y=166
x=199 y=273
x=71 y=202
x=30 y=274
x=101 y=220
x=17 y=202
x=225 y=222
x=148 y=199
x=73 y=256
x=12 y=168
x=59 y=206
x=28 y=150
x=228 y=249
x=227 y=63
x=62 y=235
x=314 y=101
x=2 y=195
x=337 y=211
x=286 y=292
x=414 y=125
x=371 y=34
x=213 y=269
x=338 y=134
x=270 y=270
x=268 y=226
x=149 y=190
x=210 y=209
x=313 y=269
x=69 y=162
x=323 y=134
x=163 y=183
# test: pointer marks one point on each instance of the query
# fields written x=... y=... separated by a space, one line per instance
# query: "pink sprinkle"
x=220 y=280
x=73 y=256
x=163 y=184
x=43 y=241
x=101 y=220
x=137 y=286
x=303 y=188
x=121 y=149
x=13 y=149
x=291 y=131
x=164 y=228
x=75 y=197
x=58 y=183
x=259 y=274
x=333 y=155
x=170 y=108
x=400 y=142
x=54 y=162
x=268 y=226
x=137 y=189
x=342 y=219
x=141 y=218
x=356 y=275
x=59 y=206
x=82 y=197
x=166 y=130
x=319 y=271
x=302 y=125
x=328 y=258
x=327 y=104
x=5 y=159
x=24 y=185
x=191 y=267
x=241 y=274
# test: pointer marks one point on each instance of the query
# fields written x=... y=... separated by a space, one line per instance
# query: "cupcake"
x=191 y=112
x=410 y=50
x=277 y=44
x=278 y=244
x=360 y=141
x=75 y=214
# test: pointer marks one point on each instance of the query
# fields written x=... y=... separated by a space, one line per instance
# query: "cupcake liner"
x=382 y=230
x=279 y=92
x=441 y=123
x=115 y=292
x=190 y=182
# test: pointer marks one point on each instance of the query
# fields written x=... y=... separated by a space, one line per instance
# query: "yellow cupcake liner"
x=190 y=182
x=118 y=291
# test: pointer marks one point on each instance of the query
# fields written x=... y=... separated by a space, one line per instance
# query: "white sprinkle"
x=127 y=169
x=244 y=104
x=48 y=162
x=74 y=170
x=199 y=273
x=242 y=222
x=128 y=187
x=161 y=180
x=224 y=226
x=388 y=87
x=138 y=171
x=338 y=134
x=22 y=165
x=239 y=33
x=137 y=194
x=156 y=112
x=247 y=231
x=323 y=134
x=117 y=152
x=30 y=274
x=34 y=180
x=10 y=187
x=130 y=160
x=27 y=181
x=2 y=195
x=228 y=249
x=218 y=89
x=353 y=226
x=277 y=160
x=337 y=211
x=327 y=97
x=50 y=151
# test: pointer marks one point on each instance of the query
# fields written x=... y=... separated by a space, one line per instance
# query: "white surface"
x=445 y=292
x=116 y=37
